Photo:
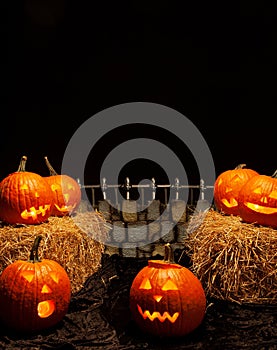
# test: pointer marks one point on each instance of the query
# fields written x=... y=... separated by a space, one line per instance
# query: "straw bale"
x=235 y=261
x=76 y=243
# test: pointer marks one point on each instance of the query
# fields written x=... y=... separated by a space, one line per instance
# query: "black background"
x=68 y=60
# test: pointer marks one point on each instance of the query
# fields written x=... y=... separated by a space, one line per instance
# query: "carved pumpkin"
x=25 y=197
x=258 y=200
x=167 y=299
x=227 y=187
x=34 y=294
x=66 y=192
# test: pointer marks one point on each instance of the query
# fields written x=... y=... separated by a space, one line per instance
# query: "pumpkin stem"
x=51 y=169
x=34 y=251
x=22 y=164
x=274 y=174
x=240 y=166
x=168 y=253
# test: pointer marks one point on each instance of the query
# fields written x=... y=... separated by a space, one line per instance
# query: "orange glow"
x=229 y=204
x=165 y=316
x=170 y=285
x=228 y=189
x=145 y=284
x=55 y=187
x=70 y=187
x=260 y=208
x=264 y=200
x=28 y=275
x=46 y=289
x=66 y=197
x=273 y=194
x=65 y=208
x=54 y=276
x=158 y=298
x=33 y=212
x=258 y=190
x=46 y=308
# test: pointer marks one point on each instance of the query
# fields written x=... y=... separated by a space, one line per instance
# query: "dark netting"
x=99 y=318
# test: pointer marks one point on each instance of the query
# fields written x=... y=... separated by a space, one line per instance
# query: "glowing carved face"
x=45 y=308
x=66 y=204
x=229 y=200
x=165 y=315
x=34 y=295
x=167 y=299
x=264 y=202
x=227 y=187
x=66 y=194
x=258 y=201
x=25 y=198
x=32 y=212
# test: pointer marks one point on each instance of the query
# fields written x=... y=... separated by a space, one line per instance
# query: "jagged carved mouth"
x=33 y=212
x=65 y=208
x=155 y=314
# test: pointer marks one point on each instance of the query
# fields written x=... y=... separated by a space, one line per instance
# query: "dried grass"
x=235 y=261
x=74 y=242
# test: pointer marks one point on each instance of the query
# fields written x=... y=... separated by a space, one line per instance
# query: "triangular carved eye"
x=258 y=190
x=54 y=277
x=28 y=275
x=145 y=284
x=273 y=194
x=170 y=285
x=70 y=187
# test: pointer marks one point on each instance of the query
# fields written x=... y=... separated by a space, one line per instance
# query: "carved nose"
x=157 y=298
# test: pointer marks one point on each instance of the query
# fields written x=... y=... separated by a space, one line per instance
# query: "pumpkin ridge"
x=25 y=294
x=16 y=303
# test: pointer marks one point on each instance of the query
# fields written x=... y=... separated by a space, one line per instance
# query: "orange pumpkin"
x=25 y=197
x=167 y=299
x=34 y=294
x=66 y=192
x=227 y=187
x=258 y=200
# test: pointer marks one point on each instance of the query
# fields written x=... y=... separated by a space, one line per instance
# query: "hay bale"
x=76 y=243
x=235 y=261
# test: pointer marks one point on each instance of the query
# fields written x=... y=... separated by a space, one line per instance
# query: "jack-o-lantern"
x=66 y=192
x=25 y=197
x=258 y=200
x=34 y=294
x=167 y=299
x=227 y=187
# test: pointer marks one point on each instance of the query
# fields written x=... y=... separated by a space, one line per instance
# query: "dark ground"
x=99 y=318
